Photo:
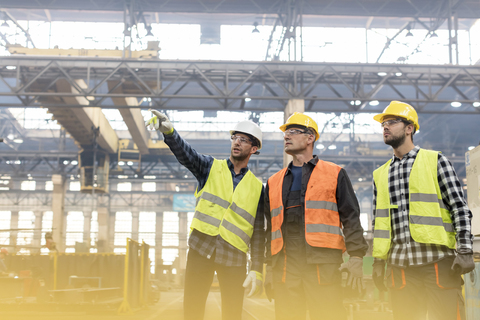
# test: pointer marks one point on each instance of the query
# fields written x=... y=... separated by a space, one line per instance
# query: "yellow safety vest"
x=429 y=219
x=222 y=210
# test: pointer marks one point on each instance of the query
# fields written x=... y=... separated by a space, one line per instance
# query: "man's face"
x=241 y=146
x=394 y=132
x=296 y=140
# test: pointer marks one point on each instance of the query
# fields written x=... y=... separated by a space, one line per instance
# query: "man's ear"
x=253 y=149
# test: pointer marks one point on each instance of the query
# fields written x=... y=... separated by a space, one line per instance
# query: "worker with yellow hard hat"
x=421 y=225
x=228 y=220
x=312 y=217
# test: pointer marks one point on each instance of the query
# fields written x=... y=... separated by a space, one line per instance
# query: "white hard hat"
x=250 y=128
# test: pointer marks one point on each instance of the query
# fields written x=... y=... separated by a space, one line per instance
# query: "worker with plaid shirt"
x=422 y=225
x=221 y=248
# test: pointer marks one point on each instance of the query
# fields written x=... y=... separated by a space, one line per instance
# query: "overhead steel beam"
x=214 y=85
x=377 y=8
x=132 y=116
x=81 y=123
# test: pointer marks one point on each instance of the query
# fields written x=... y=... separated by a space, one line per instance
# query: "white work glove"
x=354 y=268
x=255 y=280
x=159 y=122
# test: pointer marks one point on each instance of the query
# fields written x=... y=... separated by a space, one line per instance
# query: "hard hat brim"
x=379 y=118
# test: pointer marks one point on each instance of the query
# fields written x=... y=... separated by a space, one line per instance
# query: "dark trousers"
x=430 y=289
x=198 y=279
x=299 y=286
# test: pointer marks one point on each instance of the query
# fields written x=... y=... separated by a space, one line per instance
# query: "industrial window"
x=151 y=256
x=49 y=185
x=120 y=250
x=123 y=228
x=75 y=227
x=94 y=232
x=47 y=224
x=169 y=255
x=28 y=185
x=170 y=230
x=74 y=185
x=149 y=186
x=189 y=222
x=5 y=217
x=124 y=186
x=26 y=220
x=146 y=227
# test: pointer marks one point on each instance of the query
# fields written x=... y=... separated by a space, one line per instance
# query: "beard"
x=396 y=141
x=240 y=157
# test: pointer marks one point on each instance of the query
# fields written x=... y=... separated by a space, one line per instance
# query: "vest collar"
x=312 y=163
x=231 y=167
x=412 y=154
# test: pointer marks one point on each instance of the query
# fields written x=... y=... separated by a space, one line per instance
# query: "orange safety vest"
x=322 y=221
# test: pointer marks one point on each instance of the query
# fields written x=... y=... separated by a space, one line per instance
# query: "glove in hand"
x=159 y=122
x=463 y=263
x=354 y=268
x=378 y=274
x=254 y=280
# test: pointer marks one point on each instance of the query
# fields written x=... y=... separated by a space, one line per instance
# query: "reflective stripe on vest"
x=429 y=220
x=239 y=219
x=222 y=210
x=322 y=221
x=275 y=184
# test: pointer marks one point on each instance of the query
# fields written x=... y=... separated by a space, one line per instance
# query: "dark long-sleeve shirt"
x=225 y=254
x=348 y=210
x=404 y=250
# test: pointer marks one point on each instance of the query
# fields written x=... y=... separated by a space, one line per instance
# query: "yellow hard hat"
x=302 y=120
x=399 y=109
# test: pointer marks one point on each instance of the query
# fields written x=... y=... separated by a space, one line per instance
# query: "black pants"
x=299 y=286
x=198 y=279
x=430 y=289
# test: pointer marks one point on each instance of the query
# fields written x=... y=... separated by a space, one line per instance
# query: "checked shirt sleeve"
x=198 y=164
x=452 y=195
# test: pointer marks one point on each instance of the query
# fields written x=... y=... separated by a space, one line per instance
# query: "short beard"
x=240 y=157
x=396 y=142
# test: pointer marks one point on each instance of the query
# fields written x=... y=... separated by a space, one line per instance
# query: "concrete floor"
x=168 y=308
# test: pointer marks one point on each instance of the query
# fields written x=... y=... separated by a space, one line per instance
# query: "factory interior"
x=95 y=209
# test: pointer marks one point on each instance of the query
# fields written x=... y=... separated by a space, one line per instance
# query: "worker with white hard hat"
x=421 y=225
x=228 y=220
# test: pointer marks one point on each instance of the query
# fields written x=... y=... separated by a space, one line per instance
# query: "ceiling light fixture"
x=456 y=104
x=476 y=104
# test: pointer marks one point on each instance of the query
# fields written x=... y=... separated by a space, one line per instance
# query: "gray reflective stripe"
x=427 y=197
x=276 y=212
x=207 y=219
x=196 y=201
x=243 y=213
x=324 y=228
x=448 y=227
x=442 y=205
x=311 y=204
x=429 y=221
x=424 y=197
x=276 y=234
x=215 y=199
x=384 y=234
x=237 y=231
x=381 y=213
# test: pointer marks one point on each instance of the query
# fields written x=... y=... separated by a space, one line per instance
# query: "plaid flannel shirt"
x=208 y=246
x=404 y=250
